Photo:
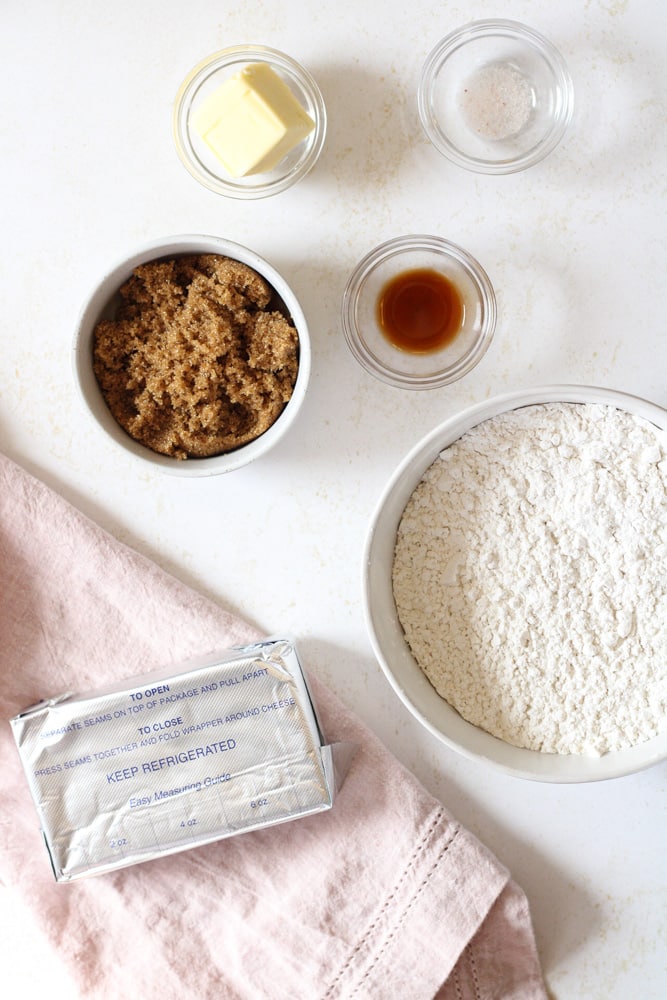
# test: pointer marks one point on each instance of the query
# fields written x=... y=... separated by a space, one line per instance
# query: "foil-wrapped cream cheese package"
x=163 y=764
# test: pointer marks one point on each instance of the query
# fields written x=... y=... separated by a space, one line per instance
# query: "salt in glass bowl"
x=202 y=163
x=101 y=304
x=386 y=635
x=495 y=97
x=402 y=368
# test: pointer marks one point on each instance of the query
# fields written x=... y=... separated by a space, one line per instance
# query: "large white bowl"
x=101 y=302
x=386 y=635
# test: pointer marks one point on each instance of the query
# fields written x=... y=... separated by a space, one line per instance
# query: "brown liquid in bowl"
x=420 y=311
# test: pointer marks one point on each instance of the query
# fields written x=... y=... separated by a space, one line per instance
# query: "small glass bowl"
x=495 y=97
x=402 y=368
x=206 y=77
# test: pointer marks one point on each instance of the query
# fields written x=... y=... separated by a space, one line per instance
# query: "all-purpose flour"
x=530 y=577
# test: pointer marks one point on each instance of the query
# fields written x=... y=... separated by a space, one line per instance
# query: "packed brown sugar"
x=198 y=359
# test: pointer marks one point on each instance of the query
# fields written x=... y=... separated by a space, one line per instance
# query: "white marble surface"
x=576 y=251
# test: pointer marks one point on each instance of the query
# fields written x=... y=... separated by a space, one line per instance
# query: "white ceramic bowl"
x=101 y=302
x=386 y=634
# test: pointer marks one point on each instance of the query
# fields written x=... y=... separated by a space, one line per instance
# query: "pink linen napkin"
x=385 y=896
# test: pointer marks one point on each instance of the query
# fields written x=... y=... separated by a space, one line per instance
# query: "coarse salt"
x=497 y=101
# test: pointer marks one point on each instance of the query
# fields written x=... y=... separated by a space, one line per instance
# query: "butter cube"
x=252 y=121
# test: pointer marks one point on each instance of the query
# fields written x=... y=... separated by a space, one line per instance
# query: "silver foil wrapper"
x=166 y=763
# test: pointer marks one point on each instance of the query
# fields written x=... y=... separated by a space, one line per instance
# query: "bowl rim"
x=461 y=36
x=393 y=248
x=257 y=188
x=89 y=392
x=415 y=691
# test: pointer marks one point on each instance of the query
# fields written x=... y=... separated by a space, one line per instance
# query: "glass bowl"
x=410 y=369
x=495 y=97
x=386 y=635
x=205 y=78
x=102 y=303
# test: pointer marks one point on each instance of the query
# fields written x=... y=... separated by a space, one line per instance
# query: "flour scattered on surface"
x=530 y=577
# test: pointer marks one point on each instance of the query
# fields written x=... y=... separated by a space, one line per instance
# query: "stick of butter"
x=252 y=121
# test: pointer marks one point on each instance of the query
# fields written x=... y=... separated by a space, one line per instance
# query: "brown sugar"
x=199 y=359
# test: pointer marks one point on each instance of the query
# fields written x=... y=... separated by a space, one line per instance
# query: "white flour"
x=530 y=577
